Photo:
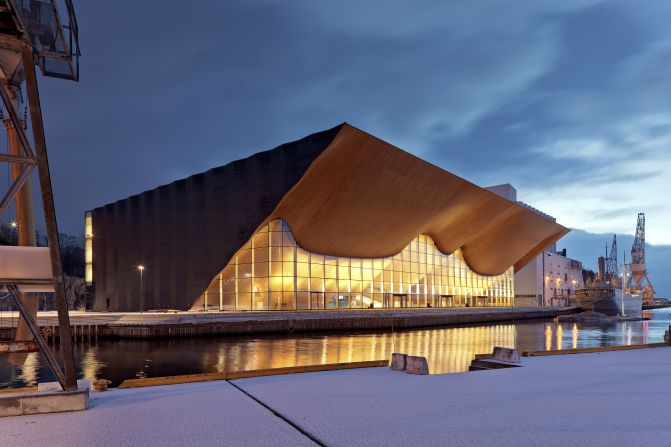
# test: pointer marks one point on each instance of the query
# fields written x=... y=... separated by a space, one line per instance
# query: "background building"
x=551 y=277
x=339 y=219
x=548 y=280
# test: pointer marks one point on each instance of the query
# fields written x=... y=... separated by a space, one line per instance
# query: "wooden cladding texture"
x=365 y=198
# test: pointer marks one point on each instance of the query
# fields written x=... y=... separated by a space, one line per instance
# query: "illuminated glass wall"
x=271 y=272
x=88 y=252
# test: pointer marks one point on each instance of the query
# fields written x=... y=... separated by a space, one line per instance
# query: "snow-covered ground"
x=604 y=399
x=198 y=414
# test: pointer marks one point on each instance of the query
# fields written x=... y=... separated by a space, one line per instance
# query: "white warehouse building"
x=549 y=279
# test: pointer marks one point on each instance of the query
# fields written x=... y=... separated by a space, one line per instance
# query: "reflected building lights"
x=91 y=365
x=548 y=337
x=30 y=368
x=447 y=350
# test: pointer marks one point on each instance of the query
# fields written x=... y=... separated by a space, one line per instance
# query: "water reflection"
x=447 y=349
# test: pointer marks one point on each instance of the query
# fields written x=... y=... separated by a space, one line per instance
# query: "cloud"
x=567 y=100
x=595 y=136
x=576 y=150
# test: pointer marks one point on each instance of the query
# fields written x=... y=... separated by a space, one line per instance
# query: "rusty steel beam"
x=32 y=326
x=16 y=187
x=18 y=347
x=27 y=282
x=14 y=116
x=70 y=379
x=8 y=158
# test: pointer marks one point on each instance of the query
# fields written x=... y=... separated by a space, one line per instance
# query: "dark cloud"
x=567 y=100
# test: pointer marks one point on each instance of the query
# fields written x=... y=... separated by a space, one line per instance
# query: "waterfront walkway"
x=598 y=399
x=150 y=324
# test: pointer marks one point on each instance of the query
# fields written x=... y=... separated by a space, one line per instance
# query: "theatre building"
x=337 y=220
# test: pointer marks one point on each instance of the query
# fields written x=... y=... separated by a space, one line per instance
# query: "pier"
x=89 y=326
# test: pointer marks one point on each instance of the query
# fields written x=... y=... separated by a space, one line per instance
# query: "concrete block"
x=482 y=364
x=38 y=402
x=56 y=403
x=417 y=365
x=55 y=386
x=398 y=361
x=506 y=355
x=10 y=406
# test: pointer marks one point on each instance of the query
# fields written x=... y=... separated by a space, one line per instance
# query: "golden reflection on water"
x=446 y=349
x=90 y=365
x=548 y=337
x=30 y=368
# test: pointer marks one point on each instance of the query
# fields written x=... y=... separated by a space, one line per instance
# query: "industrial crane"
x=40 y=33
x=638 y=281
x=611 y=260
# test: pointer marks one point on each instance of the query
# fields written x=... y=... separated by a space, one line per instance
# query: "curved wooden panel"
x=363 y=197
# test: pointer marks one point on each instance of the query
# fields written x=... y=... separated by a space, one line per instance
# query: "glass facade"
x=88 y=251
x=271 y=272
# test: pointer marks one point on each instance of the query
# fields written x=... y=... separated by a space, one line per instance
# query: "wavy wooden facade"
x=363 y=197
x=342 y=191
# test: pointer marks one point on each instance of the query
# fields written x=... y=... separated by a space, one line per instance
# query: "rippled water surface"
x=448 y=349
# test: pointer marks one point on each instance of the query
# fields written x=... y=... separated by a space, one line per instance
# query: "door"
x=316 y=300
x=399 y=300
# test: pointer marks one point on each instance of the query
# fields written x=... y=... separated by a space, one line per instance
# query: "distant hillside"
x=587 y=247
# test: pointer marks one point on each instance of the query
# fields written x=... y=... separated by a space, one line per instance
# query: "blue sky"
x=569 y=101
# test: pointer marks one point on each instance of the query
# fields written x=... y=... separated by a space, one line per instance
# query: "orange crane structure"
x=638 y=281
x=43 y=34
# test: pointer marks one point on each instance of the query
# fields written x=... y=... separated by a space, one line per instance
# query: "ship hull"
x=612 y=304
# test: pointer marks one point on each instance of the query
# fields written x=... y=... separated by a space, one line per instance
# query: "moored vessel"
x=610 y=300
x=608 y=293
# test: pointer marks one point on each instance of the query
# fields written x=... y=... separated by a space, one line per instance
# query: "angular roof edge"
x=363 y=197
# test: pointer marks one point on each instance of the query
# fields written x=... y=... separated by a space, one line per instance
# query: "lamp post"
x=141 y=269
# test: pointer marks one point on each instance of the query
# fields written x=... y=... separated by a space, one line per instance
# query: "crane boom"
x=639 y=282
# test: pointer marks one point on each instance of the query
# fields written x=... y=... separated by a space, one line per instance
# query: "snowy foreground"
x=602 y=399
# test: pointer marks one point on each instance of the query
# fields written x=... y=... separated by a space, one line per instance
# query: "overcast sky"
x=567 y=100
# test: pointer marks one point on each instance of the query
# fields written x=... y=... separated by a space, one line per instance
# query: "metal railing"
x=55 y=43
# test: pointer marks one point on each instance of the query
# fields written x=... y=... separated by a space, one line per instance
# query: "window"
x=271 y=272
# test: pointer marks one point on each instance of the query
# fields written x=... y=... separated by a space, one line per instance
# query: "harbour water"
x=448 y=349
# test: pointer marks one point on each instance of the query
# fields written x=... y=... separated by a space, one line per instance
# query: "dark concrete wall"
x=185 y=232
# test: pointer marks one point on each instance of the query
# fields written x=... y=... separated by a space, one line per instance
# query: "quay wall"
x=292 y=322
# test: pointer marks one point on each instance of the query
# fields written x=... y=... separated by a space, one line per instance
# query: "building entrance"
x=443 y=301
x=395 y=300
x=316 y=300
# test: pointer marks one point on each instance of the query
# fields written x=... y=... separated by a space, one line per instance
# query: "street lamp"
x=141 y=269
